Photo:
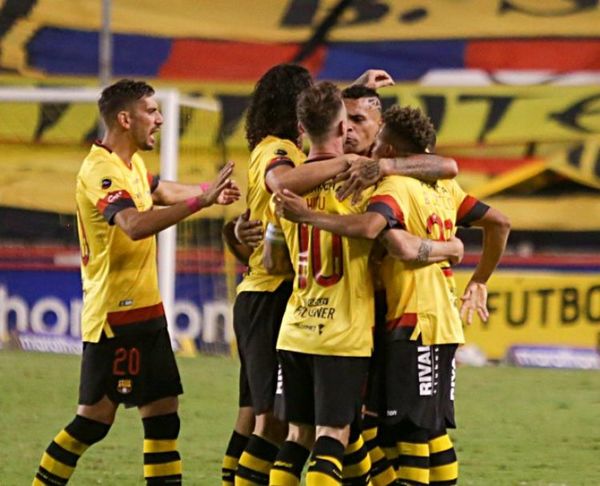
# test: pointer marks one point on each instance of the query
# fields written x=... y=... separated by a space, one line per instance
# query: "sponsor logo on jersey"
x=106 y=183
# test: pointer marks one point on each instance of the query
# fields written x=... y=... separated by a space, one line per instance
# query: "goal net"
x=44 y=136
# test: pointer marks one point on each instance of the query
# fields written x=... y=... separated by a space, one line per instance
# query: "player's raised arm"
x=496 y=228
x=142 y=224
x=374 y=79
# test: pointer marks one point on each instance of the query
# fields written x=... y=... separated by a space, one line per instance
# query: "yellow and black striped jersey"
x=120 y=285
x=421 y=299
x=330 y=311
x=268 y=154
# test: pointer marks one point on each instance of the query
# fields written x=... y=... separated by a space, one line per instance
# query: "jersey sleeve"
x=388 y=201
x=469 y=208
x=278 y=153
x=153 y=181
x=107 y=190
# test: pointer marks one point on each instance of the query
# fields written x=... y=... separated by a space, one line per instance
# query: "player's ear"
x=123 y=119
x=301 y=129
x=342 y=128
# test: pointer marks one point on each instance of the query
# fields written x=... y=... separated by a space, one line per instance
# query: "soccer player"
x=127 y=356
x=325 y=338
x=423 y=322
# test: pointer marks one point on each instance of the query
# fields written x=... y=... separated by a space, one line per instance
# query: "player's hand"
x=229 y=195
x=291 y=206
x=459 y=250
x=474 y=300
x=248 y=232
x=375 y=79
x=363 y=173
x=211 y=195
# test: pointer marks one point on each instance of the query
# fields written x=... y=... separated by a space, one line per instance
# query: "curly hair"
x=272 y=109
x=318 y=107
x=119 y=95
x=411 y=124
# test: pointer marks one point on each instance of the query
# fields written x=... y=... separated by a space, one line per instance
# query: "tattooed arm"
x=410 y=248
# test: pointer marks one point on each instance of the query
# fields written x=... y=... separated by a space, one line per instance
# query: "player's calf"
x=60 y=458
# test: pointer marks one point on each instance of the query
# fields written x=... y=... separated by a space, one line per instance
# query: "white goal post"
x=171 y=101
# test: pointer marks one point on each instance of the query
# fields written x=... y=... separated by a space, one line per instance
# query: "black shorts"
x=321 y=390
x=133 y=369
x=375 y=381
x=256 y=320
x=419 y=384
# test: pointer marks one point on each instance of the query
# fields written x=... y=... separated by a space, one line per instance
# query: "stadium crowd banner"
x=537 y=308
x=196 y=39
x=467 y=116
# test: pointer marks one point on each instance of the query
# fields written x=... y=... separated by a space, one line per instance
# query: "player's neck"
x=333 y=147
x=120 y=146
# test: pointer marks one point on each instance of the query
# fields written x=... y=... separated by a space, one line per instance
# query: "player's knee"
x=162 y=426
x=86 y=430
x=302 y=434
x=270 y=427
x=341 y=434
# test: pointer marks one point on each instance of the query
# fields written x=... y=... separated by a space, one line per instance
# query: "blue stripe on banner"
x=66 y=51
x=403 y=60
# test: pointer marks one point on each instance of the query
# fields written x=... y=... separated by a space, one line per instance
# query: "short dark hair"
x=357 y=91
x=272 y=109
x=119 y=95
x=412 y=124
x=318 y=107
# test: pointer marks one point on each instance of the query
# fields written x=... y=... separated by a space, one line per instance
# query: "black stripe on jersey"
x=62 y=455
x=153 y=180
x=161 y=457
x=113 y=203
x=477 y=212
x=387 y=213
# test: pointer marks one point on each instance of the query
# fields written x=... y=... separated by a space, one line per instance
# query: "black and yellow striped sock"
x=443 y=464
x=356 y=466
x=325 y=465
x=413 y=459
x=237 y=444
x=60 y=458
x=386 y=438
x=382 y=472
x=287 y=469
x=162 y=463
x=256 y=462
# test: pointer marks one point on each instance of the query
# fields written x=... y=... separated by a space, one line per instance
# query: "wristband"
x=274 y=234
x=204 y=186
x=193 y=204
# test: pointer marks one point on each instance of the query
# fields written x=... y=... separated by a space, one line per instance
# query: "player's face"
x=364 y=121
x=146 y=120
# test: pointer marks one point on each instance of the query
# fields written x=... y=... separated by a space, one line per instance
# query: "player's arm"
x=305 y=177
x=242 y=235
x=374 y=78
x=410 y=248
x=167 y=193
x=142 y=224
x=365 y=173
x=400 y=244
x=496 y=227
x=276 y=257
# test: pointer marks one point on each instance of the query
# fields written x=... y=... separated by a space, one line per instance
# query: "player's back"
x=268 y=154
x=330 y=311
x=422 y=295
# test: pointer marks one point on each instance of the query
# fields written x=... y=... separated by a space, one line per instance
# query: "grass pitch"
x=516 y=426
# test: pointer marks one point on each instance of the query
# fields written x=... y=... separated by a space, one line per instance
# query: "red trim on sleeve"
x=391 y=203
x=468 y=203
x=111 y=198
x=132 y=316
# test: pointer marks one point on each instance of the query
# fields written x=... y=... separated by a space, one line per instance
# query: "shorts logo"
x=106 y=183
x=425 y=371
x=453 y=380
x=124 y=386
x=279 y=389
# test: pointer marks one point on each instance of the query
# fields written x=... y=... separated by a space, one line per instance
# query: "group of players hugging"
x=347 y=319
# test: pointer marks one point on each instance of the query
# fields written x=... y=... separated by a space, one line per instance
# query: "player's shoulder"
x=397 y=182
x=98 y=162
x=272 y=147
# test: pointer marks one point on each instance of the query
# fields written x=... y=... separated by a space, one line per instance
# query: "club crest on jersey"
x=124 y=387
x=106 y=183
